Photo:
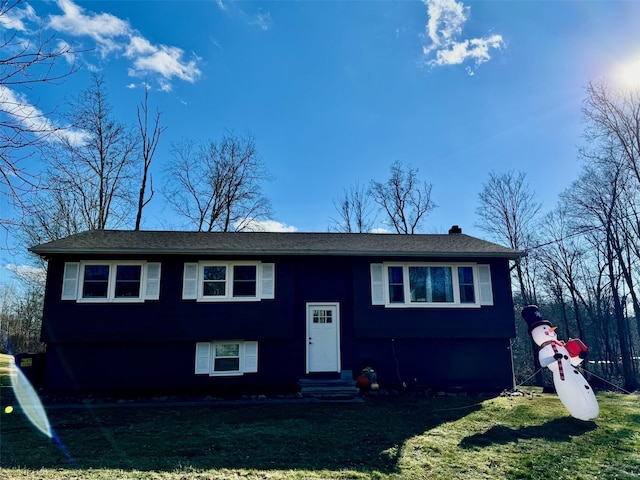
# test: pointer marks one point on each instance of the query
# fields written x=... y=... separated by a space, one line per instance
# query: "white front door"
x=323 y=337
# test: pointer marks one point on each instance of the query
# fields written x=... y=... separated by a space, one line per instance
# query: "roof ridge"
x=179 y=242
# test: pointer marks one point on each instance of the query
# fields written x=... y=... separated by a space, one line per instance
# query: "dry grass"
x=405 y=437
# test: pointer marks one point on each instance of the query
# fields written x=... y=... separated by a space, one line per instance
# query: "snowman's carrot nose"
x=552 y=329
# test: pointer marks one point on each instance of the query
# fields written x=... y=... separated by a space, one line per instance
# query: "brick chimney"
x=455 y=230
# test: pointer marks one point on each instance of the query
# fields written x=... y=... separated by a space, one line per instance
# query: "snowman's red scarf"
x=555 y=350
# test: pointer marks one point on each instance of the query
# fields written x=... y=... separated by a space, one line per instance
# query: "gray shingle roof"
x=126 y=242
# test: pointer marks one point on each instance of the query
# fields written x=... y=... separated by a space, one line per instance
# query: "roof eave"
x=48 y=252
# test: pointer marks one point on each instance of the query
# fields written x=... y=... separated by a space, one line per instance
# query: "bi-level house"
x=258 y=312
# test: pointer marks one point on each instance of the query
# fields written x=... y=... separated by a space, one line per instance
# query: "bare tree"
x=21 y=318
x=23 y=64
x=354 y=211
x=95 y=166
x=608 y=193
x=217 y=186
x=612 y=117
x=507 y=210
x=21 y=304
x=149 y=139
x=403 y=198
x=562 y=258
x=50 y=215
x=594 y=200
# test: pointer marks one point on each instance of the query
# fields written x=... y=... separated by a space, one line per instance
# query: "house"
x=258 y=312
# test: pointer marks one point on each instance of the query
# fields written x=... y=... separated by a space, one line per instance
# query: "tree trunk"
x=630 y=382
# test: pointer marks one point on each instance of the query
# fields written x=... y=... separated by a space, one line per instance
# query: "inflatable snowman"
x=562 y=358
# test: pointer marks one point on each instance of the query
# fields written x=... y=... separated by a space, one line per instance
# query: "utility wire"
x=578 y=232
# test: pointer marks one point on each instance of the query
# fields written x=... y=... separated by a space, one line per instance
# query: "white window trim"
x=205 y=356
x=73 y=281
x=380 y=286
x=265 y=281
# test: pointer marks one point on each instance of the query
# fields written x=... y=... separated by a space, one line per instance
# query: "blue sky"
x=334 y=92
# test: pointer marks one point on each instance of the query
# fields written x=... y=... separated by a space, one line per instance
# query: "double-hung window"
x=228 y=281
x=214 y=281
x=431 y=285
x=95 y=281
x=226 y=358
x=111 y=281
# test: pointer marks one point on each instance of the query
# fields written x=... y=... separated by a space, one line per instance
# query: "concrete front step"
x=344 y=387
x=333 y=392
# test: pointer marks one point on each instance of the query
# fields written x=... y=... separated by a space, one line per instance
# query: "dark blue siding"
x=170 y=318
x=151 y=345
x=160 y=368
x=376 y=321
x=471 y=364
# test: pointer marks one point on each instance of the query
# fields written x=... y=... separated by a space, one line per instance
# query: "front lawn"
x=405 y=437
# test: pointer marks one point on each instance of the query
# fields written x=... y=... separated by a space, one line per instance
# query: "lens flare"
x=27 y=399
x=628 y=74
x=26 y=396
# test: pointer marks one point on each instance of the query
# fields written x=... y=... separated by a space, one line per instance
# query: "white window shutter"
x=377 y=284
x=152 y=282
x=268 y=280
x=484 y=285
x=250 y=357
x=190 y=281
x=203 y=357
x=70 y=281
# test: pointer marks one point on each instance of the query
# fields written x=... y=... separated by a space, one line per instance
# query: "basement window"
x=226 y=358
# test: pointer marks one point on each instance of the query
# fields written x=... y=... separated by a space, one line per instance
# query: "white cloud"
x=103 y=28
x=235 y=10
x=28 y=273
x=18 y=107
x=163 y=60
x=254 y=225
x=72 y=136
x=444 y=29
x=476 y=49
x=165 y=86
x=262 y=20
x=33 y=120
x=14 y=18
x=446 y=18
x=139 y=46
x=114 y=36
x=67 y=52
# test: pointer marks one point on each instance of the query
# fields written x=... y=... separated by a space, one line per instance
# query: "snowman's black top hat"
x=533 y=317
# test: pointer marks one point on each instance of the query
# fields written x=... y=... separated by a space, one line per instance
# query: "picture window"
x=431 y=285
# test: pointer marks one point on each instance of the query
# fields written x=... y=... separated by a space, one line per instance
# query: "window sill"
x=228 y=299
x=110 y=300
x=434 y=305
